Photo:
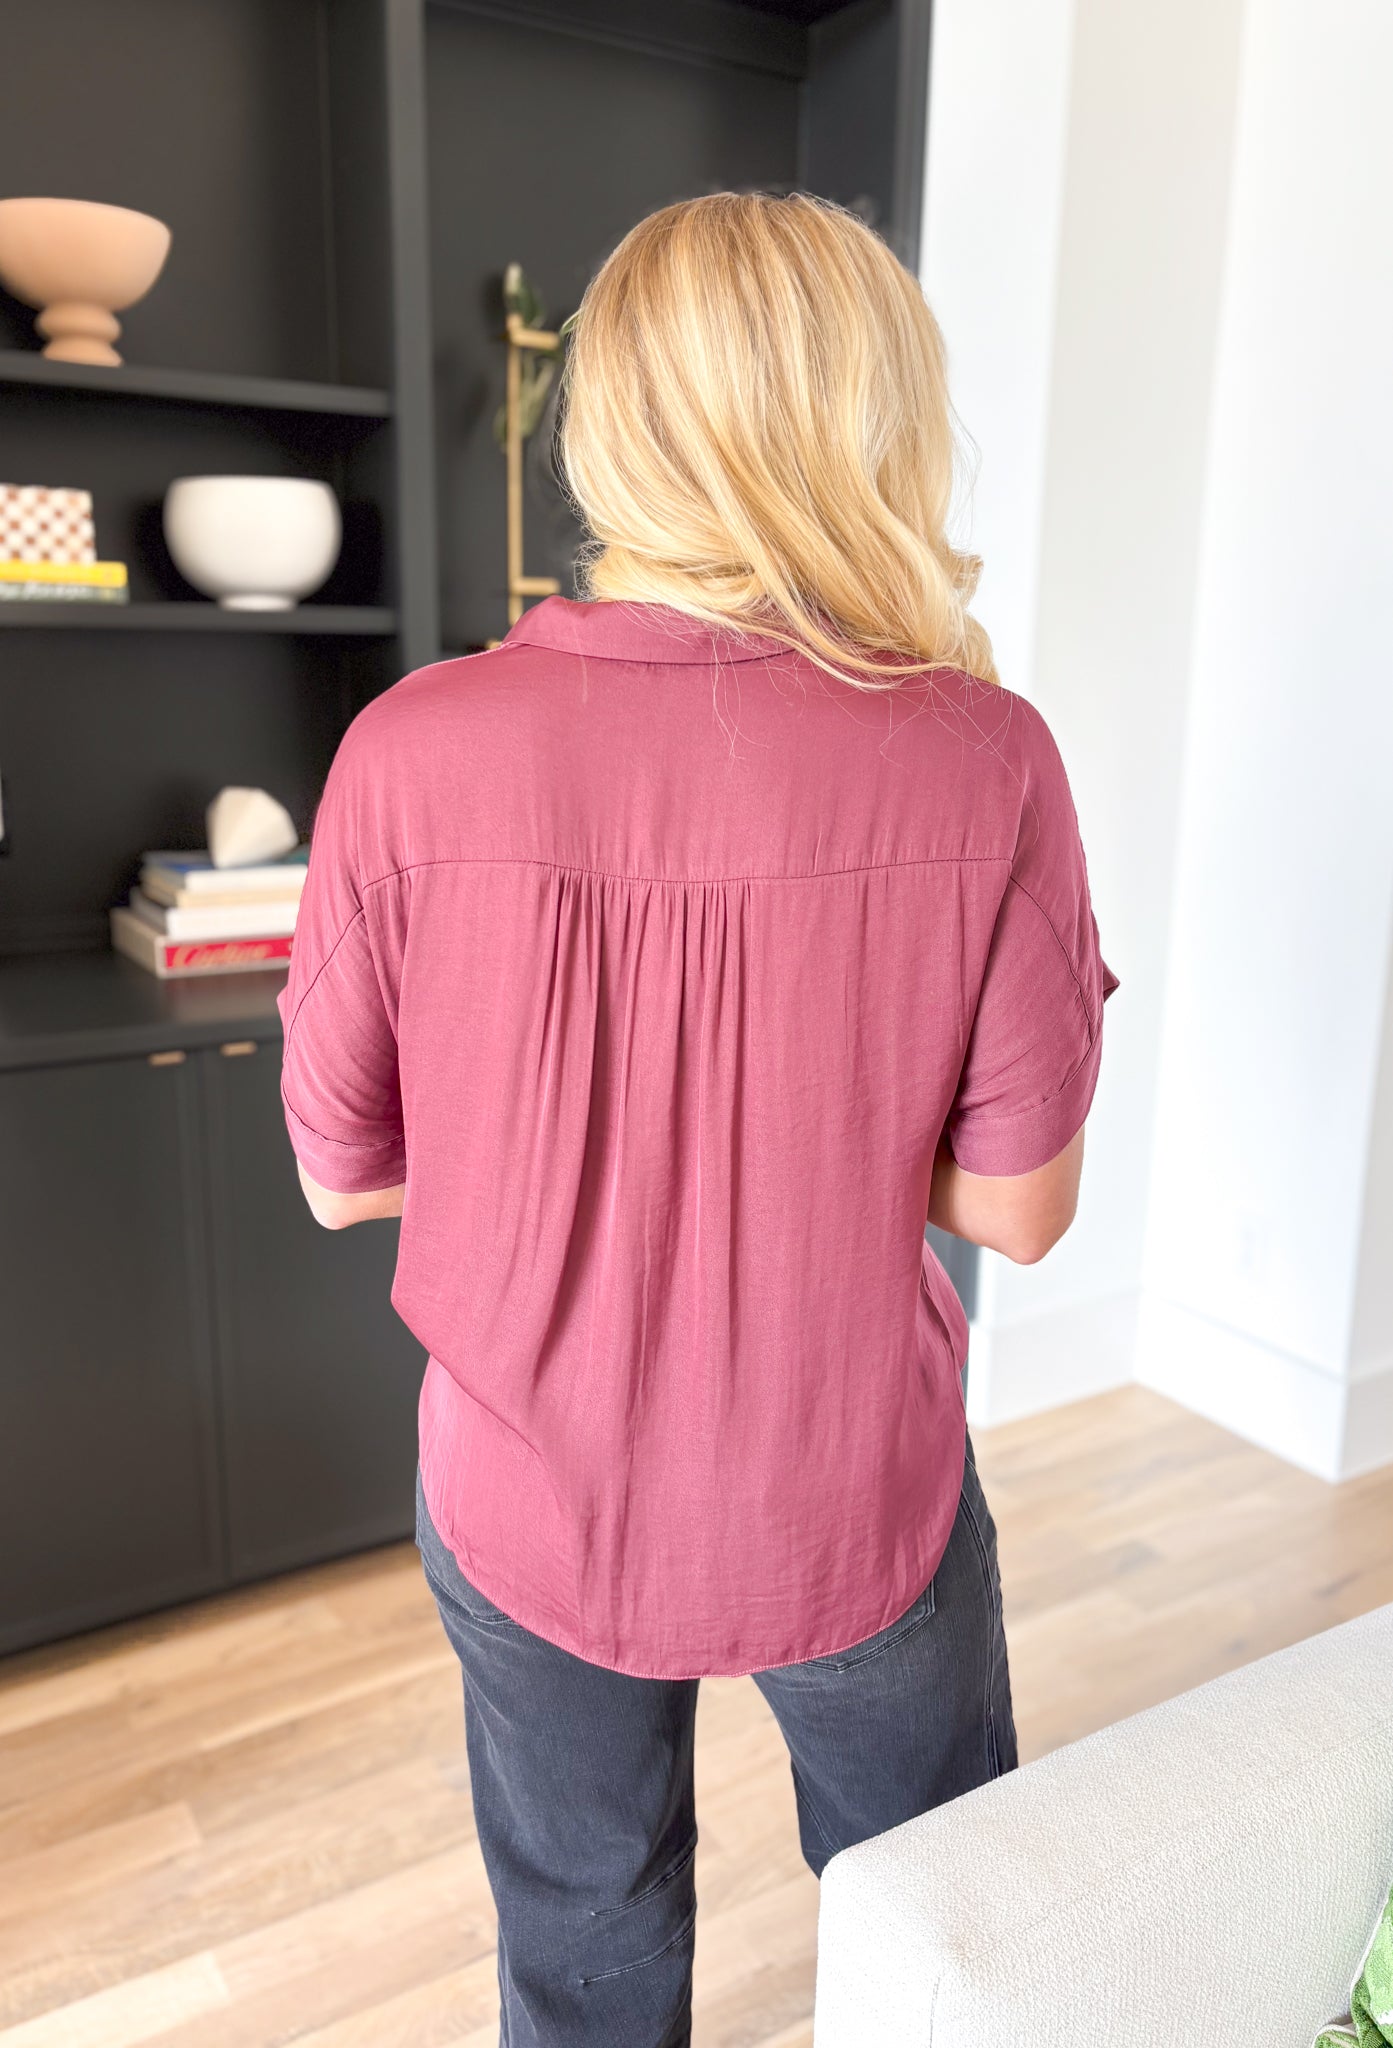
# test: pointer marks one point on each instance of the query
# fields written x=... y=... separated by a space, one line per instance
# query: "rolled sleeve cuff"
x=1005 y=1146
x=360 y=1166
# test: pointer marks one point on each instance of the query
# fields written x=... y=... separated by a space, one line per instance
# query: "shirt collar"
x=612 y=629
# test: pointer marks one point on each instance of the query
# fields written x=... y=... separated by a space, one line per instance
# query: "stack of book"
x=62 y=582
x=188 y=917
x=48 y=549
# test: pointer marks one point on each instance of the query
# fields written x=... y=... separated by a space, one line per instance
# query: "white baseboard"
x=1043 y=1361
x=1369 y=1421
x=1332 y=1426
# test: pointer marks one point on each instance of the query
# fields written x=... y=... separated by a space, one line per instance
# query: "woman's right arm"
x=1022 y=1215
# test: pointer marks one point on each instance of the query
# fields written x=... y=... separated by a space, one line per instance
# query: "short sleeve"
x=1037 y=1035
x=339 y=1079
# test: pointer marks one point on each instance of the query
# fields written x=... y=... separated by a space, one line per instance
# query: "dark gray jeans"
x=582 y=1782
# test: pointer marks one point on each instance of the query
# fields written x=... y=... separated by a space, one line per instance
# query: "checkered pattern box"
x=42 y=523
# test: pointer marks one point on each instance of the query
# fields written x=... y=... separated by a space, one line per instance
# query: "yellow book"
x=99 y=575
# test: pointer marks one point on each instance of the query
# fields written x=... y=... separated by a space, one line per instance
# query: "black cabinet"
x=108 y=1494
x=318 y=1377
x=198 y=1385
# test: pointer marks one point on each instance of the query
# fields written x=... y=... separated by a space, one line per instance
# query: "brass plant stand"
x=521 y=340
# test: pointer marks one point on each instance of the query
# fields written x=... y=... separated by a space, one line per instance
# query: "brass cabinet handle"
x=237 y=1048
x=167 y=1059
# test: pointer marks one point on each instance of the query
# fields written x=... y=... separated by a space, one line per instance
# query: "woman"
x=665 y=968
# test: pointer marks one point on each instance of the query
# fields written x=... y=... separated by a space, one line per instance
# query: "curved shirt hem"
x=610 y=1660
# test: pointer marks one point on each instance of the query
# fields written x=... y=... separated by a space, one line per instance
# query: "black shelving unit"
x=345 y=181
x=196 y=387
x=552 y=125
x=202 y=1384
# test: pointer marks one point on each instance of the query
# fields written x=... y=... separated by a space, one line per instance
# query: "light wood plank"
x=46 y=1884
x=129 y=2013
x=214 y=1650
x=439 y=2013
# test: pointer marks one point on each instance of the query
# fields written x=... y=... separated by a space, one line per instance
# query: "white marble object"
x=246 y=826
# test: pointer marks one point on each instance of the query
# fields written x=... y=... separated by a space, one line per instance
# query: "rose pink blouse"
x=655 y=962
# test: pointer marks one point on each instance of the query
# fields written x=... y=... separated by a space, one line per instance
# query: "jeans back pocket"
x=907 y=1624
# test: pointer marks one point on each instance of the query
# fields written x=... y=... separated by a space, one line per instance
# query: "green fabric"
x=1369 y=2021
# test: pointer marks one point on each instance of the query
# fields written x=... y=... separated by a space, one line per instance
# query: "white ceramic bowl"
x=255 y=543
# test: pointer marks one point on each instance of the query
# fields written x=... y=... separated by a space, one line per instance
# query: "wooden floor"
x=248 y=1823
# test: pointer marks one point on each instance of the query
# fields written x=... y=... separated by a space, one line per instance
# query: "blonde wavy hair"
x=757 y=431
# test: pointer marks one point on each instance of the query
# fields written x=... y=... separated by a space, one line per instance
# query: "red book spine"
x=185 y=955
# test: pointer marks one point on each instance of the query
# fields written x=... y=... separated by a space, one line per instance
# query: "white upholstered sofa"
x=1205 y=1875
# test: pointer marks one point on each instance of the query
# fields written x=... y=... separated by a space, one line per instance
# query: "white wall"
x=1270 y=1230
x=1368 y=1432
x=1371 y=1341
x=1157 y=241
x=1073 y=254
x=998 y=127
